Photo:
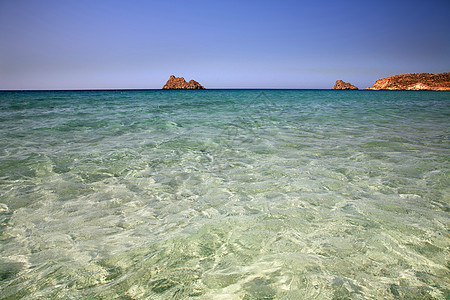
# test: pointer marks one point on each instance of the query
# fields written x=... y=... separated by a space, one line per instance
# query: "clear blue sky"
x=84 y=44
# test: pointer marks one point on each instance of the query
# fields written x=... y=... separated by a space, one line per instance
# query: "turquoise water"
x=224 y=194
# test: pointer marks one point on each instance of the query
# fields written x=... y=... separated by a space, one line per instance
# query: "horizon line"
x=206 y=89
x=152 y=89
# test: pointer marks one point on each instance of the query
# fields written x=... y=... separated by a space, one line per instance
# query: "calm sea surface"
x=224 y=194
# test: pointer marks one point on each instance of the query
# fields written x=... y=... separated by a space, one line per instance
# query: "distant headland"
x=405 y=82
x=414 y=82
x=178 y=83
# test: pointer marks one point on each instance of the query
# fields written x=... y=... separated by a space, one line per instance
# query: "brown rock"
x=342 y=85
x=178 y=83
x=414 y=82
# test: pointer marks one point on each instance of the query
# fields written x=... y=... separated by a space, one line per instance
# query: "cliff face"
x=178 y=83
x=414 y=82
x=342 y=85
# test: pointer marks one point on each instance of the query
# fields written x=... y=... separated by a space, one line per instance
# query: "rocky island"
x=342 y=85
x=414 y=82
x=178 y=83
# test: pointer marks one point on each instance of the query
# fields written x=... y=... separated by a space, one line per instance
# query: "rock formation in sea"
x=178 y=83
x=342 y=85
x=414 y=82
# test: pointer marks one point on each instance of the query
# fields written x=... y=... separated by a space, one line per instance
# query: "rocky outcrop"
x=178 y=83
x=342 y=85
x=414 y=82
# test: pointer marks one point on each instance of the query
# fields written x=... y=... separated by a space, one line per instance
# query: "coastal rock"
x=414 y=82
x=178 y=83
x=342 y=85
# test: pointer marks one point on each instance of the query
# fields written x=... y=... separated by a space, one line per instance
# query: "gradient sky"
x=107 y=44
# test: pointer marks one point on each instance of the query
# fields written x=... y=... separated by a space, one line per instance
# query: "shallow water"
x=224 y=194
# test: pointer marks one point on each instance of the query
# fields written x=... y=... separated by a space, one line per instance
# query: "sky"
x=114 y=44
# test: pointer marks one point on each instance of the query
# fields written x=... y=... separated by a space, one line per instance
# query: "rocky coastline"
x=414 y=82
x=408 y=82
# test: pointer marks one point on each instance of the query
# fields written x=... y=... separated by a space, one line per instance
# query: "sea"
x=224 y=194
